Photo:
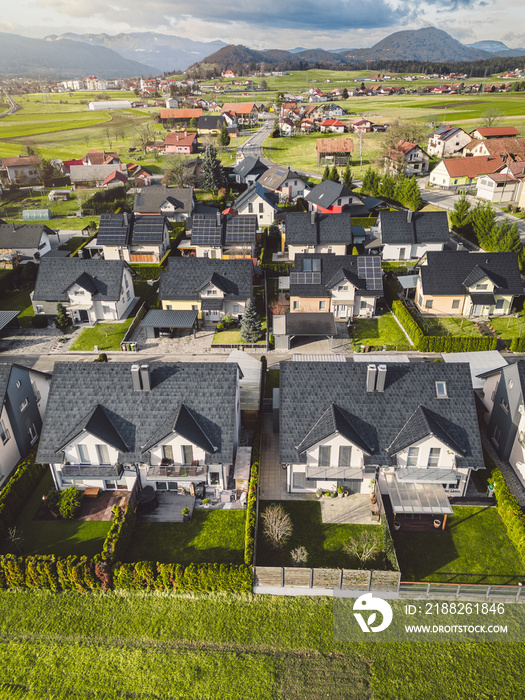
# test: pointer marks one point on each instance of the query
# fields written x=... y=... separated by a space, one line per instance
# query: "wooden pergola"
x=337 y=151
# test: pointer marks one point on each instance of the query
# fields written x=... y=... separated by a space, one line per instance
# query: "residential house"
x=180 y=142
x=222 y=236
x=311 y=232
x=406 y=235
x=94 y=175
x=330 y=198
x=212 y=287
x=284 y=182
x=116 y=179
x=409 y=429
x=507 y=148
x=90 y=290
x=120 y=426
x=506 y=185
x=94 y=157
x=135 y=239
x=172 y=103
x=179 y=117
x=456 y=173
x=246 y=113
x=409 y=158
x=286 y=126
x=29 y=241
x=459 y=283
x=333 y=125
x=248 y=170
x=210 y=124
x=176 y=204
x=447 y=141
x=258 y=200
x=22 y=170
x=494 y=132
x=361 y=124
x=24 y=393
x=346 y=286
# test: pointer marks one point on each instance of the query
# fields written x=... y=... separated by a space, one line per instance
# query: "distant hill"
x=160 y=51
x=319 y=56
x=20 y=55
x=236 y=53
x=498 y=48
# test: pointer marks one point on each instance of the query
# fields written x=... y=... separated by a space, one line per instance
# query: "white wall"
x=9 y=453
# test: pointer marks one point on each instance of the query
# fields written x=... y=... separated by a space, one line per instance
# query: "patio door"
x=341 y=311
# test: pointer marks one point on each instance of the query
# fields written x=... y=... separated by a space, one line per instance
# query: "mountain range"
x=498 y=48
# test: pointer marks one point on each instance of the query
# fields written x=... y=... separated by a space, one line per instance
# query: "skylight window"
x=441 y=390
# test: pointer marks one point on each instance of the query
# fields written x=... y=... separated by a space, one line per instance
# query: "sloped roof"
x=180 y=113
x=24 y=236
x=256 y=189
x=414 y=227
x=472 y=166
x=186 y=424
x=345 y=145
x=249 y=165
x=311 y=228
x=99 y=423
x=176 y=138
x=57 y=275
x=502 y=146
x=335 y=421
x=276 y=175
x=326 y=193
x=149 y=200
x=91 y=173
x=184 y=278
x=20 y=160
x=238 y=107
x=495 y=131
x=335 y=269
x=425 y=423
x=207 y=390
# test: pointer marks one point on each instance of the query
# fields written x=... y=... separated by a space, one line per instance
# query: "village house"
x=447 y=141
x=285 y=182
x=22 y=170
x=176 y=204
x=260 y=201
x=25 y=242
x=454 y=173
x=310 y=232
x=135 y=239
x=408 y=158
x=407 y=235
x=230 y=236
x=330 y=198
x=248 y=170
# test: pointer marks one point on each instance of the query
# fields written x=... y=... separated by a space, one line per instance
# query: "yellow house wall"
x=182 y=305
x=310 y=304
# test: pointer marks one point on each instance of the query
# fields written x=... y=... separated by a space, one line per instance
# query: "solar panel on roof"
x=113 y=229
x=369 y=269
x=205 y=231
x=148 y=229
x=241 y=229
x=305 y=278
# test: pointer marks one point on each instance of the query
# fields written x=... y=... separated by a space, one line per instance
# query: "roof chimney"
x=312 y=217
x=409 y=216
x=146 y=378
x=135 y=378
x=125 y=218
x=381 y=378
x=218 y=218
x=371 y=373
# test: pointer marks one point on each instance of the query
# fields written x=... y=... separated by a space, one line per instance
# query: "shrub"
x=70 y=503
x=205 y=502
x=510 y=512
x=414 y=331
x=220 y=326
x=299 y=556
x=251 y=515
x=186 y=511
x=120 y=533
x=101 y=358
x=14 y=495
x=39 y=321
x=52 y=498
x=277 y=525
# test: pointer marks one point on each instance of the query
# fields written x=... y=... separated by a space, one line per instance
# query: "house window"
x=299 y=480
x=39 y=309
x=329 y=249
x=167 y=453
x=236 y=308
x=187 y=454
x=83 y=454
x=339 y=202
x=24 y=405
x=105 y=309
x=500 y=303
x=194 y=307
x=413 y=453
x=102 y=454
x=322 y=306
x=110 y=485
x=495 y=435
x=213 y=253
x=33 y=435
x=36 y=392
x=250 y=208
x=296 y=305
x=345 y=452
x=261 y=208
x=455 y=304
x=342 y=288
x=441 y=390
x=161 y=486
x=433 y=457
x=211 y=291
x=504 y=405
x=363 y=305
x=4 y=433
x=214 y=478
x=429 y=303
x=482 y=286
x=324 y=456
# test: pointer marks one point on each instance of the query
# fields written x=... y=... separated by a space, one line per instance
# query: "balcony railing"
x=87 y=470
x=180 y=471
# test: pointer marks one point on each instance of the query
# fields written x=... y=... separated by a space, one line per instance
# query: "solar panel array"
x=369 y=269
x=305 y=278
x=241 y=229
x=113 y=230
x=205 y=231
x=148 y=229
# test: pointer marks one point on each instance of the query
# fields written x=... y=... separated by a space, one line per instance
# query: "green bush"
x=388 y=543
x=14 y=495
x=414 y=331
x=251 y=514
x=517 y=344
x=120 y=533
x=53 y=498
x=69 y=504
x=101 y=358
x=510 y=512
x=209 y=578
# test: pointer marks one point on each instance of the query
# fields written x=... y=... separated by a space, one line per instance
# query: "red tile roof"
x=472 y=166
x=180 y=113
x=179 y=139
x=238 y=107
x=488 y=131
x=20 y=160
x=335 y=145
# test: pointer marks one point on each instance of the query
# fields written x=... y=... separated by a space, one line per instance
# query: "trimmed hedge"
x=14 y=495
x=405 y=317
x=49 y=573
x=510 y=512
x=120 y=533
x=517 y=344
x=151 y=576
x=388 y=543
x=251 y=515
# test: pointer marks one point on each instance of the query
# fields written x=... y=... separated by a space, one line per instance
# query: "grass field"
x=474 y=548
x=448 y=326
x=324 y=542
x=210 y=536
x=375 y=332
x=233 y=337
x=152 y=646
x=107 y=336
x=508 y=328
x=19 y=301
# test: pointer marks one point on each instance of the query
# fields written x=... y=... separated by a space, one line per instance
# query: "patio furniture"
x=91 y=491
x=147 y=500
x=200 y=490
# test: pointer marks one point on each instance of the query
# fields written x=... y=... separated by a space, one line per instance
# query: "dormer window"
x=167 y=453
x=433 y=457
x=211 y=291
x=83 y=454
x=413 y=453
x=324 y=456
x=441 y=390
x=482 y=286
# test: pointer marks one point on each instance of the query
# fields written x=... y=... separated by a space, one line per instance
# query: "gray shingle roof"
x=308 y=389
x=98 y=422
x=337 y=421
x=447 y=271
x=310 y=228
x=56 y=275
x=256 y=189
x=186 y=276
x=326 y=193
x=210 y=121
x=334 y=269
x=276 y=175
x=169 y=318
x=150 y=199
x=249 y=166
x=206 y=390
x=6 y=317
x=414 y=227
x=92 y=173
x=421 y=424
x=114 y=230
x=25 y=236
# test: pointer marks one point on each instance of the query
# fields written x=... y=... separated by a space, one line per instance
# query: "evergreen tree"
x=367 y=182
x=334 y=175
x=347 y=177
x=388 y=187
x=213 y=175
x=62 y=319
x=344 y=94
x=251 y=330
x=413 y=198
x=355 y=251
x=460 y=216
x=326 y=174
x=223 y=138
x=484 y=225
x=193 y=123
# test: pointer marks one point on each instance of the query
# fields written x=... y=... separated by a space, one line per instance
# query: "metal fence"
x=461 y=591
x=286 y=580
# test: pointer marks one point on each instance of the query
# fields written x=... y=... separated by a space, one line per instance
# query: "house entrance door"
x=84 y=316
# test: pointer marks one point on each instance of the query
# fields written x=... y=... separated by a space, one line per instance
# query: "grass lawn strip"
x=508 y=328
x=210 y=536
x=445 y=326
x=107 y=336
x=474 y=548
x=383 y=330
x=19 y=301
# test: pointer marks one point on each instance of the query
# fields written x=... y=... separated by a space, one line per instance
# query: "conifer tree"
x=251 y=330
x=334 y=175
x=326 y=174
x=63 y=321
x=213 y=175
x=224 y=138
x=347 y=177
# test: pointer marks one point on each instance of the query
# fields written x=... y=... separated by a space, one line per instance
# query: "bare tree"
x=399 y=131
x=145 y=135
x=176 y=173
x=299 y=556
x=364 y=548
x=491 y=116
x=277 y=525
x=109 y=137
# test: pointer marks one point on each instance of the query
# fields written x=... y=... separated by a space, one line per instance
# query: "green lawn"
x=509 y=327
x=233 y=337
x=474 y=548
x=107 y=336
x=272 y=382
x=60 y=537
x=376 y=332
x=448 y=326
x=210 y=536
x=19 y=301
x=323 y=542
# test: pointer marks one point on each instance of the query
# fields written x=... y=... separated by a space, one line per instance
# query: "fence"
x=284 y=580
x=461 y=591
x=138 y=318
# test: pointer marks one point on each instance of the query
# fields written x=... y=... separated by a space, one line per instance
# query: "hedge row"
x=405 y=317
x=510 y=512
x=120 y=533
x=150 y=576
x=251 y=515
x=388 y=544
x=13 y=496
x=517 y=344
x=84 y=575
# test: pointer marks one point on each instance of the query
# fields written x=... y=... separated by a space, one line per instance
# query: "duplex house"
x=210 y=286
x=509 y=148
x=408 y=158
x=210 y=124
x=27 y=241
x=248 y=170
x=333 y=125
x=260 y=201
x=24 y=393
x=95 y=157
x=284 y=182
x=91 y=290
x=447 y=141
x=176 y=204
x=165 y=425
x=94 y=175
x=135 y=239
x=344 y=285
x=459 y=283
x=407 y=235
x=454 y=173
x=22 y=170
x=224 y=236
x=330 y=198
x=310 y=232
x=411 y=428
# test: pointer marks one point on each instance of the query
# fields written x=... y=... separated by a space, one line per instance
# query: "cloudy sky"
x=273 y=23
